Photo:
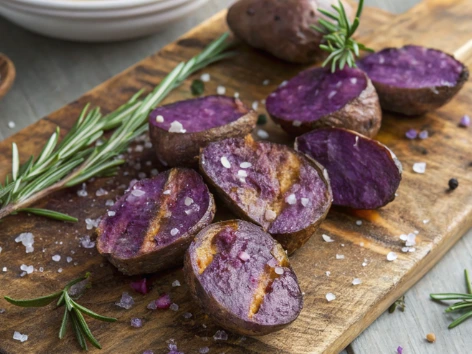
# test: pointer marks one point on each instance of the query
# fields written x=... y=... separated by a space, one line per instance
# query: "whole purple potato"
x=282 y=28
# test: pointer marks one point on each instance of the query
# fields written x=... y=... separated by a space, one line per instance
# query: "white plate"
x=99 y=24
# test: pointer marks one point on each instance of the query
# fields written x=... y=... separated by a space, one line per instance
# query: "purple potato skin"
x=245 y=296
x=205 y=119
x=364 y=173
x=411 y=82
x=137 y=239
x=277 y=171
x=282 y=28
x=317 y=98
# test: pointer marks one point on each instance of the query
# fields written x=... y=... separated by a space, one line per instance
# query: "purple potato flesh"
x=317 y=97
x=150 y=227
x=413 y=80
x=180 y=129
x=269 y=184
x=364 y=173
x=242 y=278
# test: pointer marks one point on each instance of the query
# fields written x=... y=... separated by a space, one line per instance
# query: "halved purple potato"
x=282 y=28
x=151 y=226
x=413 y=80
x=242 y=279
x=180 y=129
x=271 y=185
x=318 y=98
x=364 y=173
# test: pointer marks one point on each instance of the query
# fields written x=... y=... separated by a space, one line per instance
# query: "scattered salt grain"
x=27 y=269
x=166 y=192
x=419 y=167
x=391 y=256
x=82 y=192
x=59 y=270
x=5 y=269
x=21 y=337
x=465 y=121
x=2 y=311
x=174 y=307
x=327 y=238
x=204 y=350
x=236 y=95
x=353 y=80
x=109 y=202
x=225 y=162
x=266 y=82
x=305 y=202
x=148 y=352
x=175 y=283
x=330 y=297
x=410 y=240
x=27 y=239
x=285 y=82
x=101 y=192
x=174 y=231
x=11 y=125
x=411 y=134
x=339 y=256
x=86 y=242
x=160 y=119
x=138 y=192
x=220 y=335
x=423 y=134
x=69 y=259
x=187 y=315
x=141 y=175
x=245 y=165
x=56 y=258
x=356 y=281
x=188 y=201
x=244 y=256
x=359 y=222
x=154 y=172
x=331 y=94
x=176 y=127
x=136 y=322
x=279 y=270
x=426 y=221
x=291 y=199
x=255 y=105
x=221 y=90
x=126 y=301
x=270 y=215
x=205 y=77
x=262 y=134
x=361 y=244
x=328 y=273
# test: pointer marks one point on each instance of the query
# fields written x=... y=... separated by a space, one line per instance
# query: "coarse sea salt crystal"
x=175 y=283
x=4 y=269
x=69 y=259
x=410 y=240
x=205 y=77
x=203 y=350
x=187 y=315
x=244 y=256
x=225 y=162
x=270 y=215
x=403 y=237
x=255 y=105
x=221 y=90
x=11 y=124
x=174 y=307
x=174 y=231
x=86 y=242
x=126 y=301
x=361 y=244
x=138 y=192
x=101 y=192
x=166 y=192
x=332 y=94
x=109 y=202
x=242 y=173
x=27 y=239
x=464 y=122
x=136 y=322
x=330 y=297
x=419 y=167
x=328 y=273
x=279 y=270
x=59 y=270
x=353 y=80
x=56 y=258
x=160 y=119
x=425 y=221
x=220 y=335
x=327 y=238
x=245 y=165
x=262 y=134
x=266 y=82
x=305 y=201
x=176 y=127
x=27 y=269
x=21 y=337
x=423 y=134
x=188 y=201
x=391 y=256
x=111 y=213
x=359 y=222
x=356 y=281
x=339 y=256
x=291 y=199
x=296 y=123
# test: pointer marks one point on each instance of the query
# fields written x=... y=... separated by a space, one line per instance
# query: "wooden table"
x=52 y=73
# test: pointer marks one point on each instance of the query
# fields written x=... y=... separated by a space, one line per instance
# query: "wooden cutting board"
x=322 y=326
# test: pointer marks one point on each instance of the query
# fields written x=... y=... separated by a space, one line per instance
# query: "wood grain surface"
x=322 y=326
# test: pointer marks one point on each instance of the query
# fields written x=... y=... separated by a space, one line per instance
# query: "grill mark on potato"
x=158 y=221
x=207 y=249
x=267 y=279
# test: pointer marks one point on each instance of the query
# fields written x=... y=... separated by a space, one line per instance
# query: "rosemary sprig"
x=73 y=312
x=400 y=303
x=342 y=47
x=464 y=304
x=76 y=158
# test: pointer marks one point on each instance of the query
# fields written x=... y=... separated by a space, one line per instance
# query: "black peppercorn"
x=453 y=184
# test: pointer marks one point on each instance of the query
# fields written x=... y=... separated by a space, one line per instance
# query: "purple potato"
x=364 y=173
x=241 y=277
x=318 y=98
x=413 y=80
x=202 y=120
x=270 y=185
x=151 y=226
x=282 y=28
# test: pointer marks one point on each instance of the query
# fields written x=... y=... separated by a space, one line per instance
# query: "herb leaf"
x=36 y=302
x=50 y=214
x=62 y=331
x=340 y=45
x=197 y=87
